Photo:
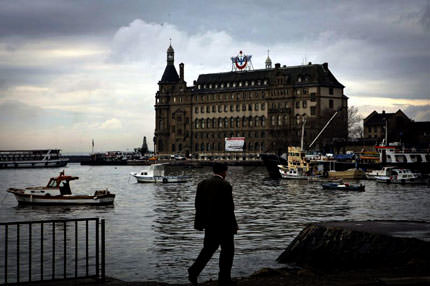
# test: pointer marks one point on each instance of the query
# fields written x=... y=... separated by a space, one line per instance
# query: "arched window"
x=231 y=122
x=208 y=123
x=263 y=121
x=244 y=121
x=285 y=120
x=213 y=123
x=203 y=123
x=196 y=122
x=237 y=121
x=225 y=122
x=207 y=147
x=250 y=121
x=273 y=120
x=220 y=122
x=279 y=120
x=257 y=146
x=202 y=147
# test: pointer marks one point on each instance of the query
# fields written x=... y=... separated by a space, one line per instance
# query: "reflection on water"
x=150 y=233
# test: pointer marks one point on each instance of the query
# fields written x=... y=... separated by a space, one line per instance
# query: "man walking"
x=215 y=214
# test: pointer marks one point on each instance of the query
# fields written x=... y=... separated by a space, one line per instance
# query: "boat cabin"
x=61 y=182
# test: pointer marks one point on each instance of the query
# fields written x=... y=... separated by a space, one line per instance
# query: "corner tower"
x=172 y=113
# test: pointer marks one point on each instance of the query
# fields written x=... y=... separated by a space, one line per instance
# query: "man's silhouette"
x=215 y=214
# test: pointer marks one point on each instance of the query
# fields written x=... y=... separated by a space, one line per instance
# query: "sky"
x=73 y=71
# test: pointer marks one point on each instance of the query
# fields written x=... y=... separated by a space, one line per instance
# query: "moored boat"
x=373 y=174
x=400 y=176
x=343 y=187
x=155 y=173
x=58 y=192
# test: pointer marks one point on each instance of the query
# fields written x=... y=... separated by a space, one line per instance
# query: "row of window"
x=246 y=95
x=231 y=122
x=221 y=135
x=225 y=108
x=208 y=147
x=233 y=84
x=245 y=121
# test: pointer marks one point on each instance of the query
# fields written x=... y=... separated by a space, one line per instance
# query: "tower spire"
x=170 y=54
x=268 y=61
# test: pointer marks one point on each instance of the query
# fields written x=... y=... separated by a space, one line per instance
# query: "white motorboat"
x=400 y=176
x=155 y=173
x=385 y=172
x=295 y=173
x=58 y=192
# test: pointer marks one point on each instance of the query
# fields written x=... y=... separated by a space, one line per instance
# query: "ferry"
x=58 y=192
x=41 y=158
x=408 y=158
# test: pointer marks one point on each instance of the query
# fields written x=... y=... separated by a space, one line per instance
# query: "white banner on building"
x=234 y=144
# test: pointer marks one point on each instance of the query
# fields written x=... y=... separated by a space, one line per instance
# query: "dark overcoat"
x=214 y=206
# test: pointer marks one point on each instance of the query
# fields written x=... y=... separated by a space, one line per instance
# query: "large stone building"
x=266 y=106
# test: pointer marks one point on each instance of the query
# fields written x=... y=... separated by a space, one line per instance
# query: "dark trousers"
x=213 y=239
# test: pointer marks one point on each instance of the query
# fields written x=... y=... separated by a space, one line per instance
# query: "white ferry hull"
x=34 y=164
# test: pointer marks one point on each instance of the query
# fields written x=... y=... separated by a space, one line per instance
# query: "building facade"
x=400 y=128
x=266 y=106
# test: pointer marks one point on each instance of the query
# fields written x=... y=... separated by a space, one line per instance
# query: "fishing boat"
x=400 y=176
x=155 y=173
x=343 y=187
x=41 y=158
x=58 y=192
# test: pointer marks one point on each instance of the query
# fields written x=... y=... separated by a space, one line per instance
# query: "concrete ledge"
x=360 y=244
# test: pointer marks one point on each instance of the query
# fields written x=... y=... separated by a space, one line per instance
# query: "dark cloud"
x=425 y=18
x=11 y=76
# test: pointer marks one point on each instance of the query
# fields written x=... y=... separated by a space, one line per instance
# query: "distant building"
x=400 y=129
x=266 y=106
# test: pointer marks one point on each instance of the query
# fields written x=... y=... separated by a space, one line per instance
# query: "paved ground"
x=416 y=272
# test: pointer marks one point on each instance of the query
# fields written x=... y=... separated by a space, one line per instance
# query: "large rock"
x=360 y=244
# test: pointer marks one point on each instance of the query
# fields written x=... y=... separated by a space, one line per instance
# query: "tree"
x=355 y=126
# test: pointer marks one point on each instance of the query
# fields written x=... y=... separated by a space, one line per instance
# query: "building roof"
x=304 y=75
x=376 y=118
x=170 y=75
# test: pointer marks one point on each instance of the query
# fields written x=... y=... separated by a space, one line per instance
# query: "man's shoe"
x=192 y=278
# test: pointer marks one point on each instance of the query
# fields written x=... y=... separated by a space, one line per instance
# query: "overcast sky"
x=71 y=71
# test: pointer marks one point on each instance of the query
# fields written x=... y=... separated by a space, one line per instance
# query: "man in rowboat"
x=215 y=214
